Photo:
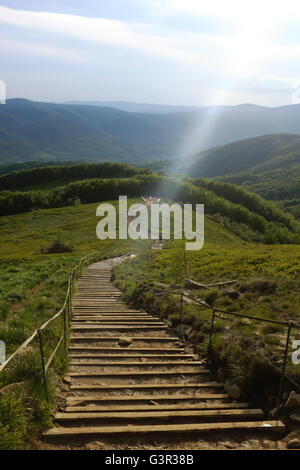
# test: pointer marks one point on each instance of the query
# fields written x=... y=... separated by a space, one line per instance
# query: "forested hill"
x=268 y=165
x=46 y=177
x=244 y=155
x=55 y=132
x=248 y=215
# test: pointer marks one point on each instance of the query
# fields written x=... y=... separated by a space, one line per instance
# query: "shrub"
x=57 y=247
x=4 y=310
x=211 y=296
x=13 y=422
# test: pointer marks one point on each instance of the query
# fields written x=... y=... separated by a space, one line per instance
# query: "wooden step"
x=168 y=414
x=143 y=351
x=129 y=356
x=134 y=374
x=116 y=327
x=87 y=297
x=112 y=302
x=94 y=290
x=104 y=303
x=118 y=307
x=146 y=386
x=199 y=398
x=156 y=407
x=111 y=305
x=166 y=428
x=118 y=315
x=118 y=338
x=112 y=322
x=183 y=400
x=138 y=364
x=106 y=313
x=100 y=318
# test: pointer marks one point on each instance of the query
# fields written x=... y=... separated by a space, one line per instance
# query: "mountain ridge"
x=31 y=131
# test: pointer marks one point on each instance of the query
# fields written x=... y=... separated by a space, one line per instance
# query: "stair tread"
x=103 y=348
x=146 y=385
x=141 y=364
x=195 y=427
x=156 y=407
x=149 y=398
x=257 y=413
x=138 y=373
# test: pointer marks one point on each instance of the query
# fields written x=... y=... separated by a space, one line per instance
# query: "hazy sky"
x=190 y=52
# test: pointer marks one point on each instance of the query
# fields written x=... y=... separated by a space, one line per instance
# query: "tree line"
x=240 y=207
x=67 y=173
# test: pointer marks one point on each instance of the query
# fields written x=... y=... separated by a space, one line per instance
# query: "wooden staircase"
x=129 y=375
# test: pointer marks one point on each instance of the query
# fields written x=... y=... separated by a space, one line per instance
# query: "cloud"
x=264 y=84
x=193 y=48
x=42 y=50
x=101 y=30
x=248 y=56
x=239 y=11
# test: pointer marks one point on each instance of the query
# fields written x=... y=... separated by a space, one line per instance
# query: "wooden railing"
x=64 y=312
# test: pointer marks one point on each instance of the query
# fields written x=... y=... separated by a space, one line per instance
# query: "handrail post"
x=71 y=294
x=71 y=281
x=210 y=335
x=283 y=370
x=65 y=329
x=43 y=363
x=184 y=258
x=181 y=305
x=69 y=302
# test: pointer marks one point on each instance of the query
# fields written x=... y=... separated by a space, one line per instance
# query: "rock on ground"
x=233 y=390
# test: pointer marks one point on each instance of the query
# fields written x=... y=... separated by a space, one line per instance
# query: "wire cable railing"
x=287 y=324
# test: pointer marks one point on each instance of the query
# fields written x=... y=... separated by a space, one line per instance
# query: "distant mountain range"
x=139 y=107
x=60 y=132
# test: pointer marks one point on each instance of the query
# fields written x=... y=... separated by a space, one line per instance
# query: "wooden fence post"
x=39 y=332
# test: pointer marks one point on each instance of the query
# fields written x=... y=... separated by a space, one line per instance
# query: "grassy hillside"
x=249 y=215
x=33 y=284
x=244 y=351
x=33 y=287
x=48 y=222
x=25 y=237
